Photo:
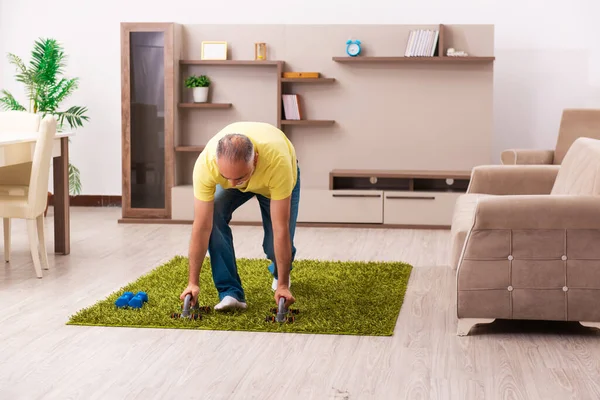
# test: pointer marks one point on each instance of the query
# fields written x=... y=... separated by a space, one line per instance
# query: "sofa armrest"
x=538 y=212
x=527 y=157
x=513 y=179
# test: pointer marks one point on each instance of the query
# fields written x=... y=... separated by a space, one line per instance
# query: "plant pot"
x=200 y=94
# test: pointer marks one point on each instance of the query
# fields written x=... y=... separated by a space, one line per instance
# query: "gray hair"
x=235 y=147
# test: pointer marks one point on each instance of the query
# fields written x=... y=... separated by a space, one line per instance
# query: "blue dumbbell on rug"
x=138 y=300
x=123 y=301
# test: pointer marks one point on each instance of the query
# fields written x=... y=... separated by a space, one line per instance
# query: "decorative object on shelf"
x=301 y=74
x=454 y=53
x=199 y=86
x=353 y=48
x=260 y=51
x=212 y=50
x=422 y=43
x=46 y=88
x=292 y=109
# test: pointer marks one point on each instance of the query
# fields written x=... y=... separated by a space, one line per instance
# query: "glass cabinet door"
x=146 y=114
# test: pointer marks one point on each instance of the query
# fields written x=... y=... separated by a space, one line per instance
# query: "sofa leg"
x=590 y=324
x=465 y=324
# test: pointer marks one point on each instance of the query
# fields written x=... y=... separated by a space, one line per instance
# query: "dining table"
x=17 y=149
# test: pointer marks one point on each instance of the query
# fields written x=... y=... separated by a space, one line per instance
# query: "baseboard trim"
x=300 y=224
x=86 y=200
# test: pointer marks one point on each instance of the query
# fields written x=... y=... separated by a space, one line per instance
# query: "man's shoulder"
x=205 y=162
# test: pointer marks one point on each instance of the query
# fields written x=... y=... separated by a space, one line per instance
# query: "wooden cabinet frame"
x=169 y=117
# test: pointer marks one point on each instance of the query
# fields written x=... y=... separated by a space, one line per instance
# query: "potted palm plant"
x=199 y=86
x=46 y=88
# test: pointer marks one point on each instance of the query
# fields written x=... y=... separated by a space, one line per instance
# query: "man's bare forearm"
x=197 y=252
x=282 y=244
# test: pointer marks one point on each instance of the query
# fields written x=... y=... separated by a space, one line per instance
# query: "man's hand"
x=283 y=291
x=192 y=289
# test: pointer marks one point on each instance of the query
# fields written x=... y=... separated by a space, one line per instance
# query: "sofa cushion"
x=462 y=221
x=579 y=171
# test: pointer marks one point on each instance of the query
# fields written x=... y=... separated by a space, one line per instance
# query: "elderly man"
x=243 y=160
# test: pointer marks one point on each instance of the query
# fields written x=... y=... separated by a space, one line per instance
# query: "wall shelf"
x=205 y=105
x=189 y=149
x=308 y=80
x=318 y=89
x=307 y=122
x=457 y=60
x=265 y=63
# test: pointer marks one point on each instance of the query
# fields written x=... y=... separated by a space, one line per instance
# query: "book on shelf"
x=422 y=43
x=291 y=107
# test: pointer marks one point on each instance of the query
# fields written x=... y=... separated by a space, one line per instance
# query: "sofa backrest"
x=579 y=173
x=575 y=123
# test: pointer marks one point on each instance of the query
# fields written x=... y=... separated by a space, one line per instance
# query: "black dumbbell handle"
x=186 y=305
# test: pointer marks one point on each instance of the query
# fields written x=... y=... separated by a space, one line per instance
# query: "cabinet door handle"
x=355 y=195
x=411 y=197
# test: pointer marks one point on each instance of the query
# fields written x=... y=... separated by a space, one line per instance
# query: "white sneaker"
x=230 y=303
x=274 y=284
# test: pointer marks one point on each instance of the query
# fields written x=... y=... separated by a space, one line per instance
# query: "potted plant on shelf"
x=199 y=86
x=46 y=88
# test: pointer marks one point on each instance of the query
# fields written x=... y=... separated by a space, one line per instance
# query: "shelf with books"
x=423 y=59
x=292 y=112
x=433 y=45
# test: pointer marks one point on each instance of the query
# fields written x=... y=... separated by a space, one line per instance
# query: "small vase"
x=200 y=94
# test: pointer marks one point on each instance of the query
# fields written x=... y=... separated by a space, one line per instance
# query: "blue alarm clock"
x=353 y=48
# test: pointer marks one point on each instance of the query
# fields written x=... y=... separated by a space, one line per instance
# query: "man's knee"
x=269 y=249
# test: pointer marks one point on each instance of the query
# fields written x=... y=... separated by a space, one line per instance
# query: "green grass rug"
x=333 y=297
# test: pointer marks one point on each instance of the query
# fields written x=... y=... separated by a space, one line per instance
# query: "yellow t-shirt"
x=275 y=174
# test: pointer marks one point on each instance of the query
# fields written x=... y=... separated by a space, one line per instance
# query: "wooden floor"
x=42 y=358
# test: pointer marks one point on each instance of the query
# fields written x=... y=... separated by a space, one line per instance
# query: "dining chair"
x=14 y=179
x=29 y=202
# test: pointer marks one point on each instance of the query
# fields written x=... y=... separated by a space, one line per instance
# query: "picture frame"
x=213 y=50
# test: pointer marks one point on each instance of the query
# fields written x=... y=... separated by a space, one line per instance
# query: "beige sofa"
x=574 y=123
x=525 y=241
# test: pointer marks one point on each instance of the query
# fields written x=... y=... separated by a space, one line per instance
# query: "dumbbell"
x=128 y=299
x=138 y=300
x=291 y=311
x=190 y=316
x=282 y=314
x=123 y=301
x=272 y=318
x=186 y=310
x=203 y=309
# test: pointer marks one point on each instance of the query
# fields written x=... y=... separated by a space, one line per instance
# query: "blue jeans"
x=220 y=246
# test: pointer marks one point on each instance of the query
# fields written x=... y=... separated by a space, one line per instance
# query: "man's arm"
x=201 y=230
x=282 y=243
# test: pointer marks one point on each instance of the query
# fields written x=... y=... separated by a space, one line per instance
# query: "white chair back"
x=18 y=122
x=40 y=167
